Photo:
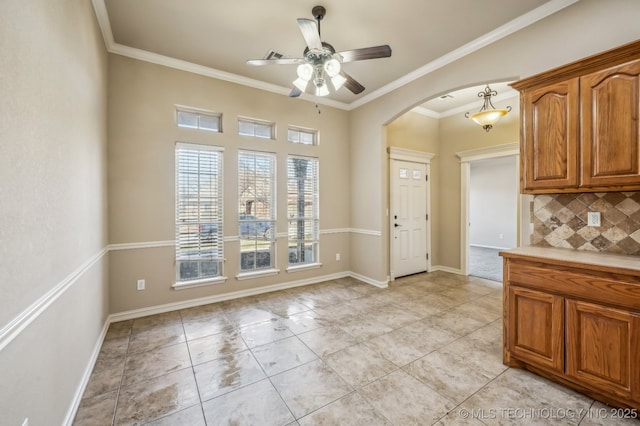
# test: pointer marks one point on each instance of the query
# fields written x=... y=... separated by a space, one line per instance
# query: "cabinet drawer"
x=607 y=288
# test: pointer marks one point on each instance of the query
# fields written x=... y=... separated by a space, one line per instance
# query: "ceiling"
x=216 y=38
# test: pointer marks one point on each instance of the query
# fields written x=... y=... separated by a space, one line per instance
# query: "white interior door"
x=408 y=218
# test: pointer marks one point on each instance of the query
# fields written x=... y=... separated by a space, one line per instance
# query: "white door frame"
x=413 y=157
x=466 y=157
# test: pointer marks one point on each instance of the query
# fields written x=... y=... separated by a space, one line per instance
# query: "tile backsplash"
x=560 y=220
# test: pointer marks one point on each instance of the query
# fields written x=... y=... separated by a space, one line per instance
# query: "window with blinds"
x=256 y=210
x=302 y=136
x=199 y=236
x=256 y=128
x=302 y=210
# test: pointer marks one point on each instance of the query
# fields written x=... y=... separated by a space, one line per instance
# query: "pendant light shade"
x=488 y=114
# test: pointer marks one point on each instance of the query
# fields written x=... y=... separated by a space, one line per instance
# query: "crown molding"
x=509 y=28
x=514 y=25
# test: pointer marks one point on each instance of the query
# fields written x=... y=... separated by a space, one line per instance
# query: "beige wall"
x=142 y=136
x=458 y=133
x=54 y=164
x=554 y=41
x=419 y=132
x=53 y=231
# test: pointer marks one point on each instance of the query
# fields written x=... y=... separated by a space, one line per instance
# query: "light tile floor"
x=427 y=350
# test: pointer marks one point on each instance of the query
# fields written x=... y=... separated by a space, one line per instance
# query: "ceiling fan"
x=320 y=61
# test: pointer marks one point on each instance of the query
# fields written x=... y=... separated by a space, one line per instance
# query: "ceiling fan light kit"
x=488 y=114
x=321 y=62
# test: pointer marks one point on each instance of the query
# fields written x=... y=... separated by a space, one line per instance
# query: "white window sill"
x=304 y=267
x=183 y=285
x=257 y=274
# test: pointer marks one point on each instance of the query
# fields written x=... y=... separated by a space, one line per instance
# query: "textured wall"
x=53 y=187
x=560 y=220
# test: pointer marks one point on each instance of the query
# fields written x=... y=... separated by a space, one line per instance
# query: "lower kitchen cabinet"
x=602 y=348
x=575 y=323
x=536 y=327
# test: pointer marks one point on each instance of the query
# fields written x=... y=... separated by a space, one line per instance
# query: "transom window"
x=201 y=120
x=256 y=210
x=302 y=136
x=256 y=128
x=199 y=213
x=302 y=210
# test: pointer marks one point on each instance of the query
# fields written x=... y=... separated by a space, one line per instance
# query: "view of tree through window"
x=302 y=210
x=256 y=212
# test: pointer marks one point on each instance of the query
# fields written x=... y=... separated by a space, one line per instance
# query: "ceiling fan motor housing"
x=318 y=12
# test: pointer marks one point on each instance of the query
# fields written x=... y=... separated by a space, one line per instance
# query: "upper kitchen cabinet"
x=550 y=127
x=579 y=125
x=609 y=102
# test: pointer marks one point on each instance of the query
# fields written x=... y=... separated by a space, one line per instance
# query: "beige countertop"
x=579 y=256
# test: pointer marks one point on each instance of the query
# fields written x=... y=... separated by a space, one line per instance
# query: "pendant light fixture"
x=488 y=114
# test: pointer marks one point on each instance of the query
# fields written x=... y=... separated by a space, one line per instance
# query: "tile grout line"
x=193 y=371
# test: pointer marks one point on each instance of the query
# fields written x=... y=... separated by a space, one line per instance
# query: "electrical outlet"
x=593 y=219
x=337 y=256
x=141 y=285
x=501 y=236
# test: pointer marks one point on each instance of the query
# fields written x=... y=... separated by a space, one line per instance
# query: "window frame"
x=199 y=114
x=257 y=122
x=258 y=222
x=314 y=219
x=208 y=248
x=315 y=135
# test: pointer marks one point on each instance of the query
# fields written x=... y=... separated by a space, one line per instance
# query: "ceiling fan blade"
x=287 y=61
x=310 y=33
x=352 y=84
x=295 y=92
x=374 y=52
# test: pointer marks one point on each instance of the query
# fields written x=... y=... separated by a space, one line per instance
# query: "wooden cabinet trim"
x=596 y=62
x=605 y=288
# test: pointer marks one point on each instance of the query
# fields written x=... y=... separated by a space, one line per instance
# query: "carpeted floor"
x=485 y=263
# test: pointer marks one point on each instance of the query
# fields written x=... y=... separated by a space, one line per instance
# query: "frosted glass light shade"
x=338 y=81
x=322 y=90
x=332 y=67
x=488 y=117
x=305 y=71
x=301 y=84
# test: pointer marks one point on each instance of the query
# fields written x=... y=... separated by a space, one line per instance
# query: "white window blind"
x=302 y=136
x=199 y=120
x=256 y=210
x=199 y=236
x=256 y=128
x=302 y=210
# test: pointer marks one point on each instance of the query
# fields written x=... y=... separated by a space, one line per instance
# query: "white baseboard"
x=77 y=398
x=446 y=269
x=160 y=309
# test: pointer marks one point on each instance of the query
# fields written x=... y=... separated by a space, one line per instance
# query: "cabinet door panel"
x=536 y=327
x=550 y=137
x=610 y=102
x=600 y=345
